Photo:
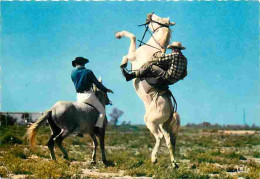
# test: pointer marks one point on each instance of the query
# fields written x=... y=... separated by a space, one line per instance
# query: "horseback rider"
x=162 y=70
x=83 y=79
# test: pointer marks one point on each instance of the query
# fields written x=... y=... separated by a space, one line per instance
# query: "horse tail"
x=32 y=130
x=174 y=127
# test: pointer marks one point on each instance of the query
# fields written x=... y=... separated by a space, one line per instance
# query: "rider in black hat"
x=83 y=79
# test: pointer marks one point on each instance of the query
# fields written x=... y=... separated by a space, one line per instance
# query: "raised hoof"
x=118 y=35
x=93 y=162
x=175 y=165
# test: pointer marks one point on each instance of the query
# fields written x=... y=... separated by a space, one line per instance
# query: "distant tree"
x=27 y=117
x=7 y=119
x=116 y=113
x=126 y=123
x=206 y=124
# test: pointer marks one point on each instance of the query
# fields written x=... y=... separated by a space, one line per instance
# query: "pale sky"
x=40 y=39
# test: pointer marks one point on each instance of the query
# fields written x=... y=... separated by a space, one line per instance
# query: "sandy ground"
x=120 y=175
x=238 y=132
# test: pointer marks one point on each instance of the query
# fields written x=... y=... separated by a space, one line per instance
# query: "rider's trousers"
x=90 y=97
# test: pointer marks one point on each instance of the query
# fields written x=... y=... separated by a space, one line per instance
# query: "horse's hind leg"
x=102 y=147
x=170 y=131
x=95 y=144
x=55 y=131
x=58 y=140
x=154 y=128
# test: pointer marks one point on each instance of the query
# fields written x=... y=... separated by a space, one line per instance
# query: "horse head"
x=102 y=96
x=154 y=22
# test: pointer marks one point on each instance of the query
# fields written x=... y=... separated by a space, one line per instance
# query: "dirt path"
x=238 y=132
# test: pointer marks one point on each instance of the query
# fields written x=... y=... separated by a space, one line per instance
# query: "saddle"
x=156 y=91
x=152 y=87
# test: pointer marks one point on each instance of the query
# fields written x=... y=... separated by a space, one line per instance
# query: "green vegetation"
x=200 y=153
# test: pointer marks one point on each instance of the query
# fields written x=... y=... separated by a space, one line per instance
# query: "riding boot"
x=128 y=76
x=143 y=71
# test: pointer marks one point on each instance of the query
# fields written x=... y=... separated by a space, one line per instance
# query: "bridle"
x=148 y=21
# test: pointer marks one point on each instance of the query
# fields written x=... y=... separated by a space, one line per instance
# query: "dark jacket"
x=84 y=78
x=166 y=69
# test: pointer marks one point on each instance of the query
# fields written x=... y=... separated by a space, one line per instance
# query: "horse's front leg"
x=155 y=130
x=132 y=47
x=95 y=144
x=124 y=62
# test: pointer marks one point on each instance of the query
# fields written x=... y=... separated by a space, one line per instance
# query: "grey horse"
x=66 y=118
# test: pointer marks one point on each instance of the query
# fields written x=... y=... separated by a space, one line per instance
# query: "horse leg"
x=170 y=131
x=132 y=38
x=154 y=128
x=95 y=144
x=55 y=131
x=102 y=147
x=58 y=140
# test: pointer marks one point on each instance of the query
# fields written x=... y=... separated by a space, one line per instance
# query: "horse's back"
x=76 y=116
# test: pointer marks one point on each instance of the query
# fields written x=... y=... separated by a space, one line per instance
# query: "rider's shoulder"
x=167 y=56
x=88 y=70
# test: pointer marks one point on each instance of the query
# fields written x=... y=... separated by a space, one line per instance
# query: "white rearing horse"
x=160 y=117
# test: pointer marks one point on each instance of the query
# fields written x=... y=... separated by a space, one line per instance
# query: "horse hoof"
x=154 y=161
x=117 y=35
x=175 y=165
x=66 y=157
x=108 y=163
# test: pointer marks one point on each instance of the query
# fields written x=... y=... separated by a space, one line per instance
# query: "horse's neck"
x=144 y=53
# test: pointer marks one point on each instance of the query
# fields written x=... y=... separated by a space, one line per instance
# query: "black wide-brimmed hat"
x=80 y=60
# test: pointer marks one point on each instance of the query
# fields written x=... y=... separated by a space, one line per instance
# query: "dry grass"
x=200 y=154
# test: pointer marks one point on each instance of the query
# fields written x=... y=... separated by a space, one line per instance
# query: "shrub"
x=11 y=139
x=256 y=154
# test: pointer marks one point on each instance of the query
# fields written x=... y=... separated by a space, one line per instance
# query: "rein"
x=147 y=29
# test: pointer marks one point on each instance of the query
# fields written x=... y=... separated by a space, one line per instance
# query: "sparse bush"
x=11 y=139
x=256 y=154
x=18 y=152
x=3 y=172
x=199 y=154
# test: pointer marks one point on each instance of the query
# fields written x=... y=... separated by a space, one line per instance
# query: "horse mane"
x=168 y=32
x=168 y=37
x=102 y=96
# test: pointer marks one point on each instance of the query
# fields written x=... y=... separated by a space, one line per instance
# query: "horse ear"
x=100 y=79
x=94 y=88
x=172 y=23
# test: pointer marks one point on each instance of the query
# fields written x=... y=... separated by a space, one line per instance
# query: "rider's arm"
x=97 y=83
x=165 y=59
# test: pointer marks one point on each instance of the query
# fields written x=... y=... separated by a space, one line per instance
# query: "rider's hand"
x=110 y=91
